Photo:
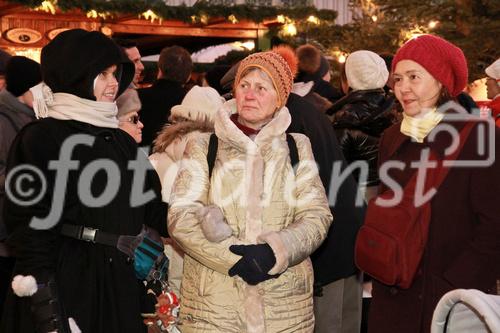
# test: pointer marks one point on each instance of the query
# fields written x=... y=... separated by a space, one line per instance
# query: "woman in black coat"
x=67 y=241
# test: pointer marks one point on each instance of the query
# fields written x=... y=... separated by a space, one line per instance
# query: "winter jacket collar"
x=246 y=130
x=164 y=83
x=12 y=103
x=372 y=98
x=227 y=131
x=302 y=88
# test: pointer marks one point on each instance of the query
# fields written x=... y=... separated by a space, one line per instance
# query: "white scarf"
x=65 y=106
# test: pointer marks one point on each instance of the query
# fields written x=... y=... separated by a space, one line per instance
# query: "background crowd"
x=255 y=189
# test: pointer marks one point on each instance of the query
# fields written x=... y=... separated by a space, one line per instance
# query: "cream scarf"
x=64 y=106
x=419 y=128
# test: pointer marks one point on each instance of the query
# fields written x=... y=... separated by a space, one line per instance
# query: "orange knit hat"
x=280 y=64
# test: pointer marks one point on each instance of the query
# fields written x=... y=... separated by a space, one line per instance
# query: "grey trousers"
x=339 y=309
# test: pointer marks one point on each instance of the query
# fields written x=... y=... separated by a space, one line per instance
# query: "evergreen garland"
x=184 y=13
x=472 y=25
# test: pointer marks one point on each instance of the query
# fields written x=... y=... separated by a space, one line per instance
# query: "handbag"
x=390 y=244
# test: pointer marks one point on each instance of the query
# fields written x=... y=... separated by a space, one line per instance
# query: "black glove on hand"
x=256 y=261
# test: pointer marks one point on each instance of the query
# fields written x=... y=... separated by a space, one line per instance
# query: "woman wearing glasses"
x=128 y=114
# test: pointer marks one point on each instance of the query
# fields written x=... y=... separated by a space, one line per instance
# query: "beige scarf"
x=64 y=106
x=419 y=128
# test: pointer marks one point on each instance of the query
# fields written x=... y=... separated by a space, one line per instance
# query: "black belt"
x=89 y=234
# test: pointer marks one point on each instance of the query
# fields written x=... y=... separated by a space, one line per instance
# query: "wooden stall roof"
x=22 y=27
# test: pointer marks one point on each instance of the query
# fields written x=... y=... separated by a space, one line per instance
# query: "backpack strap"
x=212 y=153
x=213 y=144
x=292 y=147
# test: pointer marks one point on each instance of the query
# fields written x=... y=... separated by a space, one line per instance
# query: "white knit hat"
x=128 y=102
x=199 y=104
x=493 y=70
x=366 y=70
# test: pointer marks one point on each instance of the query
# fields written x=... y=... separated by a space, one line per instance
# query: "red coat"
x=494 y=105
x=463 y=248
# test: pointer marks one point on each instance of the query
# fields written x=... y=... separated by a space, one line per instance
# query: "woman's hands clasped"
x=256 y=261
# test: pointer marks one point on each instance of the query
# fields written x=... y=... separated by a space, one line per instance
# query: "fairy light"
x=313 y=19
x=433 y=24
x=290 y=29
x=232 y=19
x=280 y=18
x=406 y=35
x=340 y=55
x=48 y=6
x=95 y=14
x=374 y=18
x=150 y=16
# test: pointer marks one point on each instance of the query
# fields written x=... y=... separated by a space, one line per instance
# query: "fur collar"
x=227 y=131
x=170 y=133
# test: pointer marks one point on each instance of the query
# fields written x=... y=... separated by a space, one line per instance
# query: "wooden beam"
x=183 y=31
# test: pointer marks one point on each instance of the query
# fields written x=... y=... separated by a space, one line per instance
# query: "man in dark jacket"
x=15 y=111
x=133 y=54
x=175 y=68
x=333 y=262
x=314 y=68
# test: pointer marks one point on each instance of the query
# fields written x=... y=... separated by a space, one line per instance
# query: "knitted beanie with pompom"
x=281 y=66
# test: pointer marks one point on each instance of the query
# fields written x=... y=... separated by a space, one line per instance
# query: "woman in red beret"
x=462 y=248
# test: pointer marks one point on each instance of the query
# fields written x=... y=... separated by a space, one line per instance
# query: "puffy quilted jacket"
x=262 y=200
x=359 y=120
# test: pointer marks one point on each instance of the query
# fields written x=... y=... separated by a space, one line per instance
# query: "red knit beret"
x=443 y=60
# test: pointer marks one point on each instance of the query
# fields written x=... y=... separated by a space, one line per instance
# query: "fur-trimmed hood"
x=170 y=133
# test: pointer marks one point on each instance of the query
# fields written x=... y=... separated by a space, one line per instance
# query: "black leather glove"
x=256 y=261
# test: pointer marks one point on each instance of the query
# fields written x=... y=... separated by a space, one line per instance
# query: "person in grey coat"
x=16 y=111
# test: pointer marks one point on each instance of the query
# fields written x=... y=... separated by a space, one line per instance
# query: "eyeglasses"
x=134 y=119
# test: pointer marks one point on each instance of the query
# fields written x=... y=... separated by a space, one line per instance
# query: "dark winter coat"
x=96 y=283
x=326 y=90
x=359 y=120
x=463 y=248
x=157 y=101
x=334 y=259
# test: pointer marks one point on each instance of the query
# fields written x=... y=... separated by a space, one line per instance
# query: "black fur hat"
x=21 y=74
x=72 y=60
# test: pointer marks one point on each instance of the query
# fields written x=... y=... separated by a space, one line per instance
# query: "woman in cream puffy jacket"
x=258 y=278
